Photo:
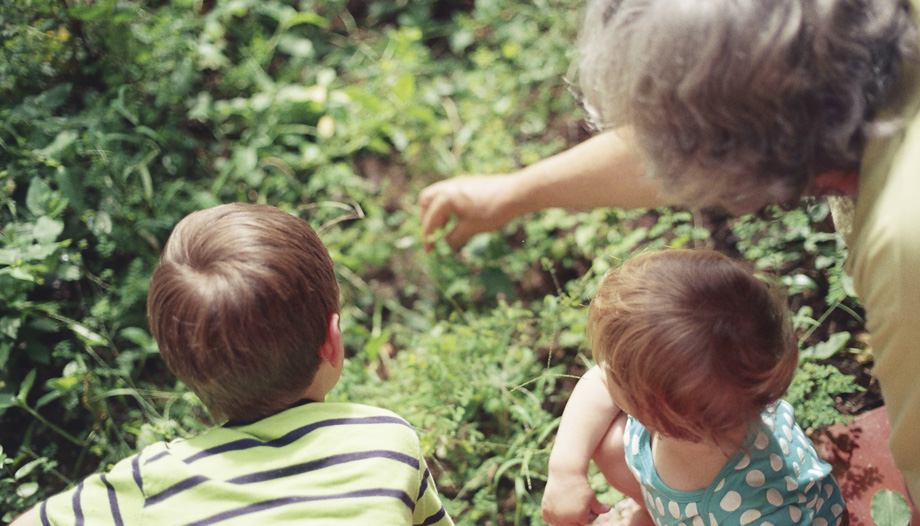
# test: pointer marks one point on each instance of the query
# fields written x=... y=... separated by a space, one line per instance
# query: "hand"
x=568 y=500
x=479 y=202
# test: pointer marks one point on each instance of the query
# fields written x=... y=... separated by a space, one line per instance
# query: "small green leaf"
x=824 y=350
x=7 y=400
x=9 y=326
x=26 y=386
x=137 y=336
x=47 y=230
x=88 y=336
x=37 y=196
x=27 y=490
x=373 y=346
x=307 y=18
x=28 y=468
x=60 y=143
x=889 y=508
x=5 y=349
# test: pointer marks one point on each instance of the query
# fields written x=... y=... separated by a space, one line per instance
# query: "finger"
x=425 y=196
x=430 y=192
x=598 y=507
x=435 y=216
x=458 y=237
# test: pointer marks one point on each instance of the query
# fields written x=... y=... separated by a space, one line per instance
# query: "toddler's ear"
x=333 y=350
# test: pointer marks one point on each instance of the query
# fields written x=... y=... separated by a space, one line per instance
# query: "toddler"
x=683 y=411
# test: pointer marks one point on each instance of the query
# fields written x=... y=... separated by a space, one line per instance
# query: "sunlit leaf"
x=890 y=508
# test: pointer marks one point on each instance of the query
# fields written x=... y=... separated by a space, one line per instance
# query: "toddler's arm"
x=589 y=413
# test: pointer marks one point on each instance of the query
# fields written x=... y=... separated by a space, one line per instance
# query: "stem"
x=35 y=414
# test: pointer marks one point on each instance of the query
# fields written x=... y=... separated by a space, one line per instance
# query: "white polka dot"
x=719 y=487
x=813 y=503
x=784 y=446
x=795 y=513
x=802 y=498
x=774 y=497
x=837 y=509
x=776 y=462
x=755 y=478
x=819 y=522
x=828 y=490
x=766 y=523
x=712 y=520
x=635 y=447
x=731 y=501
x=691 y=510
x=743 y=463
x=791 y=484
x=768 y=423
x=761 y=441
x=659 y=506
x=674 y=508
x=698 y=521
x=801 y=453
x=810 y=485
x=796 y=469
x=750 y=516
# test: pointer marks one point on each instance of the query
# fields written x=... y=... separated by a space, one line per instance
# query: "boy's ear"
x=333 y=350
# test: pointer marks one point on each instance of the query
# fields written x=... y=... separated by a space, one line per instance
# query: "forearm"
x=588 y=415
x=604 y=171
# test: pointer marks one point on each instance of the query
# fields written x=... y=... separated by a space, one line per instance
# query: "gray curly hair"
x=740 y=103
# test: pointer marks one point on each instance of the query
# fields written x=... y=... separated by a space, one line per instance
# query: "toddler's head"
x=697 y=345
x=239 y=306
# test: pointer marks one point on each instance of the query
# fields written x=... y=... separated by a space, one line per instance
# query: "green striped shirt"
x=328 y=463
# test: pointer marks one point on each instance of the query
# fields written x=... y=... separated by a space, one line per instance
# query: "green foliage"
x=812 y=392
x=17 y=489
x=482 y=410
x=117 y=118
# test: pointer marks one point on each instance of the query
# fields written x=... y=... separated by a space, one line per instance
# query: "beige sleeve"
x=885 y=265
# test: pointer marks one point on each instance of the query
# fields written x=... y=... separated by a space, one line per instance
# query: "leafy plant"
x=119 y=118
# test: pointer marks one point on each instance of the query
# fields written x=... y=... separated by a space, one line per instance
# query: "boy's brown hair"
x=697 y=344
x=239 y=306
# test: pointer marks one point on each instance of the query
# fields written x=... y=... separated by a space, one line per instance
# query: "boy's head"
x=698 y=346
x=240 y=304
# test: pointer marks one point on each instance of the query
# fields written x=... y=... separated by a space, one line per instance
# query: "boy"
x=244 y=307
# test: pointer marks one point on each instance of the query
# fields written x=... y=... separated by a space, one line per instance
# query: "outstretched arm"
x=568 y=498
x=604 y=171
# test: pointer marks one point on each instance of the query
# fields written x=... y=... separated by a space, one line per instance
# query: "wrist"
x=563 y=467
x=517 y=196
